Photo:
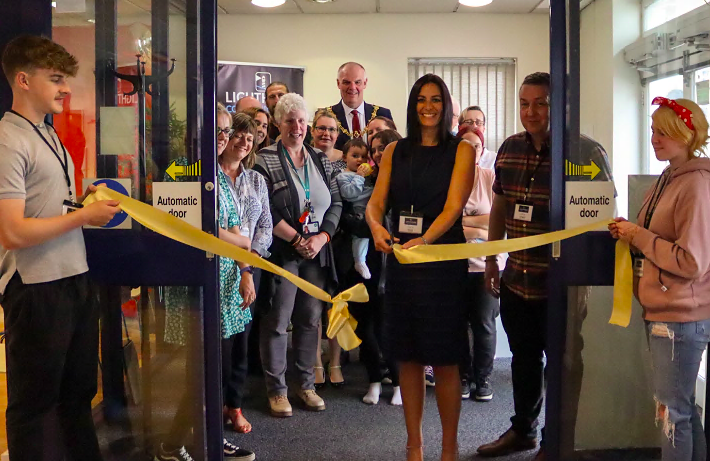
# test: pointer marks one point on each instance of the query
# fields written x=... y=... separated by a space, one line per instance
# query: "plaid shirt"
x=523 y=175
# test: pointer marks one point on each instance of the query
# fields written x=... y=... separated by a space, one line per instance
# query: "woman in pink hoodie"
x=671 y=257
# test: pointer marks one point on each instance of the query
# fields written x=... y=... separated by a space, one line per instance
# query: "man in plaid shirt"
x=521 y=208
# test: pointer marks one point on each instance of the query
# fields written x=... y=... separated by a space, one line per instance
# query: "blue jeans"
x=676 y=350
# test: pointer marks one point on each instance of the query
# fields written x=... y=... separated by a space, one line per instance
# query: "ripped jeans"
x=676 y=350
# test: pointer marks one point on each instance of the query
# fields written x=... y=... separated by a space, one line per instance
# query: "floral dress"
x=234 y=318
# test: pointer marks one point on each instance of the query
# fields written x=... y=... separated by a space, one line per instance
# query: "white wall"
x=384 y=43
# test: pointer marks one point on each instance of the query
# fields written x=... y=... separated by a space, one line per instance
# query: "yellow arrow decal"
x=184 y=170
x=572 y=169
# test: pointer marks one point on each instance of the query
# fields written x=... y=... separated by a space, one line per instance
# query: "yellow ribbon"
x=623 y=288
x=342 y=325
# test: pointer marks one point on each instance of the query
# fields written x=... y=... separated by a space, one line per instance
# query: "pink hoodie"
x=677 y=248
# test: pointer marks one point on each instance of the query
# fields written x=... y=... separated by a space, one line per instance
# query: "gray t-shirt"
x=30 y=171
x=320 y=192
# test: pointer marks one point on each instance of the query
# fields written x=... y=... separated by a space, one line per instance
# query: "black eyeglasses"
x=228 y=132
x=474 y=122
x=329 y=129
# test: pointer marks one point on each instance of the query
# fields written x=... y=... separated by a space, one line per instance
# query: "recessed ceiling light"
x=268 y=3
x=322 y=1
x=475 y=2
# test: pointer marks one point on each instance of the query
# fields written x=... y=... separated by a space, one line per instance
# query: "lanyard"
x=305 y=184
x=532 y=174
x=656 y=197
x=412 y=190
x=65 y=163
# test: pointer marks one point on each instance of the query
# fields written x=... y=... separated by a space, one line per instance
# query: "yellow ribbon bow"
x=177 y=229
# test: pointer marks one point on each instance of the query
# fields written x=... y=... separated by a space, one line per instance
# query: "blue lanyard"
x=305 y=184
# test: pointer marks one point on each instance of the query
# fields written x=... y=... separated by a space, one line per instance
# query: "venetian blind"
x=488 y=83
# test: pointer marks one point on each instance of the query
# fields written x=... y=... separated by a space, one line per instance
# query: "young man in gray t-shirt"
x=51 y=313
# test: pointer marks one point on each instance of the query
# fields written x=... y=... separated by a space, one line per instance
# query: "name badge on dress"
x=638 y=265
x=411 y=223
x=244 y=230
x=523 y=211
x=68 y=206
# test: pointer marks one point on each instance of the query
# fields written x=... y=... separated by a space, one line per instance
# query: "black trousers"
x=235 y=367
x=525 y=323
x=52 y=362
x=482 y=310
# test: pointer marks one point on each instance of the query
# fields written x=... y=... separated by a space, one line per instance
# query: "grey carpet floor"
x=350 y=430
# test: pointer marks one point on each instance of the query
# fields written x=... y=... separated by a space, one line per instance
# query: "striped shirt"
x=523 y=175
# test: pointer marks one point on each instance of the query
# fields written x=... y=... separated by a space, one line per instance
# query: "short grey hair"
x=288 y=103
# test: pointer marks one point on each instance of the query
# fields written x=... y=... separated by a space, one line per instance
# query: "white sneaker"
x=363 y=270
x=396 y=397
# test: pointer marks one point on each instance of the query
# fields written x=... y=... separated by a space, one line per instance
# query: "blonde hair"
x=322 y=113
x=666 y=120
x=221 y=110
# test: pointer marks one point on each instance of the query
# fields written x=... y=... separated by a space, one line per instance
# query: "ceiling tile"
x=339 y=7
x=503 y=7
x=417 y=6
x=245 y=7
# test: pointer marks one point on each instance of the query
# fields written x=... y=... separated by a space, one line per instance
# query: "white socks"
x=363 y=270
x=396 y=397
x=373 y=394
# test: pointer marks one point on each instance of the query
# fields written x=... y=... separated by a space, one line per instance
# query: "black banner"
x=237 y=80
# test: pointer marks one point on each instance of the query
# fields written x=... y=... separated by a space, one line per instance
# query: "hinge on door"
x=556 y=249
x=209 y=255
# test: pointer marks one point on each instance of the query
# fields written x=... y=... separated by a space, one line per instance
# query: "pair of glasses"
x=228 y=132
x=323 y=129
x=474 y=122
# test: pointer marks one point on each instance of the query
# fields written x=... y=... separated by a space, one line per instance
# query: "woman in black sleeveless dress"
x=425 y=180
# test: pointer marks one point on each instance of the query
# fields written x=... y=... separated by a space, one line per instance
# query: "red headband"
x=684 y=114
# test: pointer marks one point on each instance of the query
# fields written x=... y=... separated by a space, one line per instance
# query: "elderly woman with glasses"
x=305 y=207
x=325 y=132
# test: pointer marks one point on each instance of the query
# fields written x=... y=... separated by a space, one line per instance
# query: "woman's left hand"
x=412 y=243
x=247 y=290
x=314 y=244
x=623 y=229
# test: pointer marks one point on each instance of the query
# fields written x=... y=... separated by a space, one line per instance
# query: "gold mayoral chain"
x=357 y=134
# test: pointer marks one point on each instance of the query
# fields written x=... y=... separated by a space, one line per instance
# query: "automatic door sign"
x=181 y=199
x=120 y=220
x=588 y=202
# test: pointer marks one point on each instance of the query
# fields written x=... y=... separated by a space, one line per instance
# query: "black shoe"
x=509 y=442
x=484 y=391
x=175 y=455
x=234 y=453
x=465 y=389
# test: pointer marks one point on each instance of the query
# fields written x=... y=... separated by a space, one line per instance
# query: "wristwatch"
x=246 y=269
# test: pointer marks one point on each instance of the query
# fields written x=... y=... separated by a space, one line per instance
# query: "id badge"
x=523 y=211
x=68 y=206
x=411 y=223
x=311 y=227
x=244 y=230
x=638 y=266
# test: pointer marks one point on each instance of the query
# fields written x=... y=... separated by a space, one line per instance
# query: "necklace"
x=356 y=134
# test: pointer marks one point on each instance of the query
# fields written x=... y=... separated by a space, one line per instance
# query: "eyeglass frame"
x=478 y=123
x=227 y=131
x=323 y=129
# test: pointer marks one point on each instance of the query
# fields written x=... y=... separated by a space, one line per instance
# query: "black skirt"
x=425 y=309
